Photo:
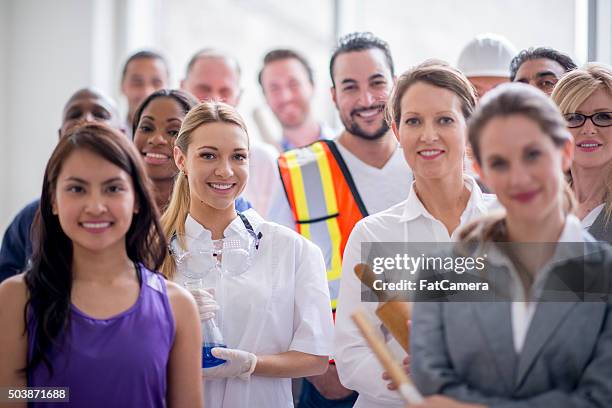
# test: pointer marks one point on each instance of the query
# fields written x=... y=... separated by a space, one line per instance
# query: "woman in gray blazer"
x=584 y=97
x=525 y=351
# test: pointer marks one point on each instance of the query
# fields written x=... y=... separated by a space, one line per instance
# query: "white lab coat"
x=280 y=303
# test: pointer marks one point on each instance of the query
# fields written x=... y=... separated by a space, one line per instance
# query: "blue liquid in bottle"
x=208 y=360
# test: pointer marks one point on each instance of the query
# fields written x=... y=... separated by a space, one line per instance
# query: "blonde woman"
x=275 y=316
x=524 y=351
x=584 y=97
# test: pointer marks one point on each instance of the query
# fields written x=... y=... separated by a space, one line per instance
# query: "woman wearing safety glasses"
x=585 y=99
x=269 y=310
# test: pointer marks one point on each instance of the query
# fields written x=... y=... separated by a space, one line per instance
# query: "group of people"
x=98 y=274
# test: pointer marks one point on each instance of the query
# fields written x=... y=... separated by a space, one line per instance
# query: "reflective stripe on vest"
x=324 y=202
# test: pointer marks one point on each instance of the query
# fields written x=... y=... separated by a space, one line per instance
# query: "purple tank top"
x=116 y=362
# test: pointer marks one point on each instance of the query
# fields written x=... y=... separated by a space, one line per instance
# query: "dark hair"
x=537 y=53
x=437 y=73
x=360 y=41
x=212 y=53
x=184 y=99
x=49 y=275
x=280 y=54
x=145 y=54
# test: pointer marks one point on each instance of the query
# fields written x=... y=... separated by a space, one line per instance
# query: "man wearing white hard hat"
x=485 y=61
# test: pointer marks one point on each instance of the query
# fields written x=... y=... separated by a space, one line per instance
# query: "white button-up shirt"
x=407 y=221
x=280 y=303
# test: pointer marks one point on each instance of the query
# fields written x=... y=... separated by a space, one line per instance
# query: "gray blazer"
x=465 y=350
x=599 y=230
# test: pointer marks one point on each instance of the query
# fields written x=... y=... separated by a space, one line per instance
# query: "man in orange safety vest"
x=328 y=186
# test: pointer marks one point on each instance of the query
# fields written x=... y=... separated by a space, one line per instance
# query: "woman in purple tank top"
x=89 y=314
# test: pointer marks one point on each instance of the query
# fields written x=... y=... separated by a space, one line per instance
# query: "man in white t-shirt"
x=214 y=75
x=369 y=157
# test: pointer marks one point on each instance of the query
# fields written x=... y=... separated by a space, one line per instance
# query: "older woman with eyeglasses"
x=585 y=99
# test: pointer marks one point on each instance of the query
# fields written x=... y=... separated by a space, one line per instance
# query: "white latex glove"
x=207 y=305
x=238 y=363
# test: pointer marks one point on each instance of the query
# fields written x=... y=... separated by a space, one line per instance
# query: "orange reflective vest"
x=324 y=201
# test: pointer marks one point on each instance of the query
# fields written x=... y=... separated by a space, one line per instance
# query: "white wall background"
x=48 y=49
x=5 y=140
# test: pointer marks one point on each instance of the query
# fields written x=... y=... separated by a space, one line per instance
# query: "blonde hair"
x=173 y=219
x=572 y=91
x=509 y=100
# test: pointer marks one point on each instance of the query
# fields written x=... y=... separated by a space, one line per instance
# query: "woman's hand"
x=238 y=363
x=405 y=364
x=439 y=401
x=385 y=376
x=207 y=305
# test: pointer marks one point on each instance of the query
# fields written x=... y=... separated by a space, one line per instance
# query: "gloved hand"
x=238 y=363
x=207 y=305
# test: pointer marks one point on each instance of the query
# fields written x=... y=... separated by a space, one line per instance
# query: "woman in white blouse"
x=535 y=348
x=429 y=108
x=584 y=96
x=273 y=296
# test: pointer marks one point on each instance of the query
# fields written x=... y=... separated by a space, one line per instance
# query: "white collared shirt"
x=280 y=303
x=263 y=172
x=407 y=221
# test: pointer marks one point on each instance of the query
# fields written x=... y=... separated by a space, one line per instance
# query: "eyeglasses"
x=601 y=119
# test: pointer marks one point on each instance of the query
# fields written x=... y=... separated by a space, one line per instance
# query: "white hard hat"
x=487 y=55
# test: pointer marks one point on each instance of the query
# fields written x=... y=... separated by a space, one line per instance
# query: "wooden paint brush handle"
x=393 y=314
x=405 y=387
x=365 y=274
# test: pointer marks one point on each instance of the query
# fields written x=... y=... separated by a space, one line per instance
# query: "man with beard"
x=287 y=82
x=330 y=185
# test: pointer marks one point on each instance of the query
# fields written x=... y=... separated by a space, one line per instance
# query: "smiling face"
x=288 y=91
x=95 y=202
x=154 y=138
x=593 y=143
x=216 y=164
x=213 y=79
x=523 y=166
x=143 y=76
x=363 y=82
x=432 y=131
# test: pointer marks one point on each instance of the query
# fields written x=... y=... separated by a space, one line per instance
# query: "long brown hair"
x=508 y=100
x=49 y=275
